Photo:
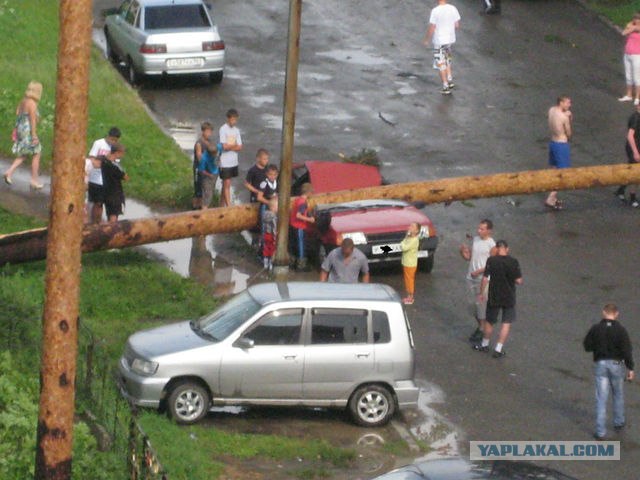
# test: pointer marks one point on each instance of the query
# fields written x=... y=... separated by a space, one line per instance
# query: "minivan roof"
x=265 y=293
x=155 y=3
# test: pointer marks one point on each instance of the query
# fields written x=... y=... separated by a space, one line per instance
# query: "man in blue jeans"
x=613 y=361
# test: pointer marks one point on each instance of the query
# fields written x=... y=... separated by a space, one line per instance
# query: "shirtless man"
x=559 y=151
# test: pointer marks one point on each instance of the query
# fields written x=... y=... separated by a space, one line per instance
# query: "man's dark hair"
x=488 y=223
x=561 y=98
x=117 y=147
x=206 y=125
x=262 y=151
x=114 y=132
x=347 y=242
x=610 y=309
x=502 y=244
x=271 y=168
x=232 y=112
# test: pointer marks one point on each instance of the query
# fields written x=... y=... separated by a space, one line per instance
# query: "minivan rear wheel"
x=188 y=403
x=372 y=405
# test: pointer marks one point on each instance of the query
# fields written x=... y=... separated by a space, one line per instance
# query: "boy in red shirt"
x=299 y=220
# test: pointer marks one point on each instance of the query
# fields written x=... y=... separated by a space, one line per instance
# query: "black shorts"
x=113 y=207
x=508 y=314
x=96 y=193
x=197 y=183
x=227 y=173
x=629 y=151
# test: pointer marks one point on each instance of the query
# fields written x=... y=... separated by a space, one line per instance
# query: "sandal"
x=407 y=300
x=7 y=179
x=554 y=206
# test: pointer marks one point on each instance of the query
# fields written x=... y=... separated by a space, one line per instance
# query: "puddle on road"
x=354 y=56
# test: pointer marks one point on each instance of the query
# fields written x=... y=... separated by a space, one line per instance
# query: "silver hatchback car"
x=310 y=344
x=156 y=37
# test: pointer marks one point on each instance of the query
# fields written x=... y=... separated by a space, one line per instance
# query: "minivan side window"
x=380 y=327
x=280 y=327
x=338 y=325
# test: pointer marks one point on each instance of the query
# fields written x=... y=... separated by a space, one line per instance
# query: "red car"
x=376 y=226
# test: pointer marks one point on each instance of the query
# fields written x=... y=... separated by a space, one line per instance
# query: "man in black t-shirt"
x=632 y=147
x=257 y=174
x=505 y=274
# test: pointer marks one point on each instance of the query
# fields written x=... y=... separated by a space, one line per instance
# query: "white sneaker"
x=626 y=98
x=635 y=204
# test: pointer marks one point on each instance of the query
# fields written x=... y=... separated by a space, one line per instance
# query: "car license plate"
x=185 y=62
x=386 y=249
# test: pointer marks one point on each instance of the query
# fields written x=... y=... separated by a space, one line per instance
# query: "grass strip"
x=159 y=170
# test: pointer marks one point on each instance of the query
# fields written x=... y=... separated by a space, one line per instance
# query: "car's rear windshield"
x=176 y=16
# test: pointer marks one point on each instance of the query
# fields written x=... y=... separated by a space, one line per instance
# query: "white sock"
x=485 y=342
x=498 y=347
x=450 y=79
x=445 y=85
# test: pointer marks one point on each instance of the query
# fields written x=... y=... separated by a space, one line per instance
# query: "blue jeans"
x=300 y=242
x=610 y=375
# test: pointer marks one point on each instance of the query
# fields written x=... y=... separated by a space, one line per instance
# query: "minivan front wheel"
x=372 y=405
x=188 y=403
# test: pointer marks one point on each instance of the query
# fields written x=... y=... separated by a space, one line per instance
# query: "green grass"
x=122 y=292
x=618 y=11
x=176 y=446
x=159 y=171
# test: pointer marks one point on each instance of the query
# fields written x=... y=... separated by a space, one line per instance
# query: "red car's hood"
x=370 y=219
x=335 y=176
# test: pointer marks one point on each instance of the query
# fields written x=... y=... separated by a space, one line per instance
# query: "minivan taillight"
x=210 y=46
x=153 y=48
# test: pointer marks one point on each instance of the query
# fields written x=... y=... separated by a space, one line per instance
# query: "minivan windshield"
x=222 y=322
x=176 y=16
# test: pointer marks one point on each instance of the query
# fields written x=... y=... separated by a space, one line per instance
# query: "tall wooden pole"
x=62 y=279
x=288 y=130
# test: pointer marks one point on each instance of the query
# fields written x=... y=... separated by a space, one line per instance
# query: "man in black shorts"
x=112 y=176
x=632 y=147
x=505 y=274
x=231 y=144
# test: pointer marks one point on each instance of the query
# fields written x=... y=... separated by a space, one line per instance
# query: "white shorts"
x=632 y=69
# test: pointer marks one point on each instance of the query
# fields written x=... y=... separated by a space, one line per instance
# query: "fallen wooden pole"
x=29 y=245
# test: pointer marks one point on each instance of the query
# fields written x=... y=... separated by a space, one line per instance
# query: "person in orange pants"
x=409 y=248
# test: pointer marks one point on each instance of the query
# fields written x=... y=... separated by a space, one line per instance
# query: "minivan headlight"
x=358 y=238
x=144 y=367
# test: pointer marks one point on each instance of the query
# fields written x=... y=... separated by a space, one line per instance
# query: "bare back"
x=559 y=124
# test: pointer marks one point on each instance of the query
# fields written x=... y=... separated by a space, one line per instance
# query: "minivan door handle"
x=362 y=355
x=290 y=357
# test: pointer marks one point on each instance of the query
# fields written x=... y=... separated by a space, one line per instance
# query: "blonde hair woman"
x=26 y=142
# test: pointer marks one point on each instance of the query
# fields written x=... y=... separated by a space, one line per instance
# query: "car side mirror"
x=208 y=5
x=419 y=204
x=244 y=343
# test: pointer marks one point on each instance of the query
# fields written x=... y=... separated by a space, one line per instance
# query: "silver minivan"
x=310 y=344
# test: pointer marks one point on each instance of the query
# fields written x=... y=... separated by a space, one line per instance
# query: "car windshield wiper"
x=200 y=332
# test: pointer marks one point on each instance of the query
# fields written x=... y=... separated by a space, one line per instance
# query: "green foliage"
x=366 y=156
x=618 y=11
x=18 y=419
x=159 y=171
x=176 y=444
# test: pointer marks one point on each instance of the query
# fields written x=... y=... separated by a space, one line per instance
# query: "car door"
x=116 y=28
x=272 y=367
x=338 y=354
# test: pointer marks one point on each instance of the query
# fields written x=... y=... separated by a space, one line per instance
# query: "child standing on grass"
x=269 y=229
x=409 y=248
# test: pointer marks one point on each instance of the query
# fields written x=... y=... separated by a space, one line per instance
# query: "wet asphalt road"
x=363 y=58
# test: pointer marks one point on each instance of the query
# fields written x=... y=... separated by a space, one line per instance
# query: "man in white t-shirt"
x=443 y=23
x=101 y=147
x=482 y=248
x=231 y=144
